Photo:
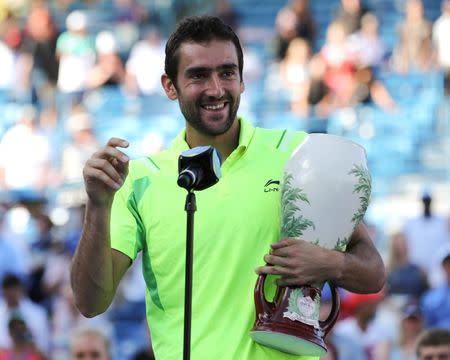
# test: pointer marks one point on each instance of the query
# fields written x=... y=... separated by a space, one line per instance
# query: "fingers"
x=104 y=171
x=282 y=252
x=280 y=244
x=117 y=142
x=110 y=152
x=273 y=270
x=108 y=165
x=283 y=243
x=277 y=260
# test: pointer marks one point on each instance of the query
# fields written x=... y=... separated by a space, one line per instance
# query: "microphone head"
x=199 y=168
x=186 y=179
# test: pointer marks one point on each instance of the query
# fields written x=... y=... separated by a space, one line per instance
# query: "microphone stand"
x=190 y=208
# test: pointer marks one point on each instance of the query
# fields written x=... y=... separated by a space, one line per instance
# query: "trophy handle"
x=263 y=307
x=329 y=322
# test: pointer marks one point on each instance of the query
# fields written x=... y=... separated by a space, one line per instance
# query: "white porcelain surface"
x=331 y=171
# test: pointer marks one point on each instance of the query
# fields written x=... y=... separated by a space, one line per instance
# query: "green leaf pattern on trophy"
x=293 y=296
x=341 y=244
x=293 y=306
x=292 y=225
x=363 y=187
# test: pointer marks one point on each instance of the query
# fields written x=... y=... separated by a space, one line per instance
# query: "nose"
x=215 y=88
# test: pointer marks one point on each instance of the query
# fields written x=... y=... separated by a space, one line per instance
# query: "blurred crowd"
x=343 y=71
x=57 y=55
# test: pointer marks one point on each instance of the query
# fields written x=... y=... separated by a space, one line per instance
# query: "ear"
x=242 y=87
x=169 y=87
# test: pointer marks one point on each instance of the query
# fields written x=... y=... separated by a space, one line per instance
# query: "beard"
x=192 y=113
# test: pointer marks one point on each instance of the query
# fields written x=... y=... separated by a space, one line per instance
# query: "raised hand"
x=105 y=172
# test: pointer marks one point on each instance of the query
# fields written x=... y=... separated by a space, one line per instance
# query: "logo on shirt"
x=272 y=185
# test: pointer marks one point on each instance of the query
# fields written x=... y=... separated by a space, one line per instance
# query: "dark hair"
x=11 y=280
x=432 y=337
x=198 y=29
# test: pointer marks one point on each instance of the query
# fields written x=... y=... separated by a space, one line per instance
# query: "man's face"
x=441 y=352
x=89 y=348
x=208 y=86
x=12 y=295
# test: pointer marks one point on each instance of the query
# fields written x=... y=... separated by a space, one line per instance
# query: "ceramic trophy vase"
x=325 y=192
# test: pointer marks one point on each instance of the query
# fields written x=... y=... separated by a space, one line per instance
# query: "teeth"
x=214 y=107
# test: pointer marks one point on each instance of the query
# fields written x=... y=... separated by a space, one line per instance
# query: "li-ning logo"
x=268 y=188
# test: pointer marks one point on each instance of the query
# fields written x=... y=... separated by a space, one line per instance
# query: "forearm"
x=360 y=268
x=92 y=271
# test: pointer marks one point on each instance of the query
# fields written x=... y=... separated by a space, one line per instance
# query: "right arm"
x=96 y=268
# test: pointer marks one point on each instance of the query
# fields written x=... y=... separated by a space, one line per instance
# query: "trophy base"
x=287 y=343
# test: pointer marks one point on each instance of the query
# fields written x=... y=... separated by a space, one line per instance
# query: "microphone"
x=199 y=168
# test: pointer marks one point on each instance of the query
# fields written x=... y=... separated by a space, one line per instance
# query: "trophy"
x=324 y=194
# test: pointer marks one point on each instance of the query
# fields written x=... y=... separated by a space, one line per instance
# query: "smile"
x=214 y=107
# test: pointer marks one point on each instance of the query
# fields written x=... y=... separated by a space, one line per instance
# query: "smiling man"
x=136 y=206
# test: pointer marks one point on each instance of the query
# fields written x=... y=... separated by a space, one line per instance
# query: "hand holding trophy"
x=324 y=195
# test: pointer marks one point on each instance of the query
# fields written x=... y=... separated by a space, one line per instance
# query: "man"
x=89 y=344
x=22 y=345
x=436 y=301
x=137 y=206
x=429 y=230
x=15 y=302
x=433 y=344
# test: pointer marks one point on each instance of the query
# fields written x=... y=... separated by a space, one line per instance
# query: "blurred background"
x=75 y=73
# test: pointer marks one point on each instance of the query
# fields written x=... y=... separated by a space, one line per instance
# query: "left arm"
x=359 y=269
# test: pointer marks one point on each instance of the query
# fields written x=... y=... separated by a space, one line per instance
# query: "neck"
x=224 y=143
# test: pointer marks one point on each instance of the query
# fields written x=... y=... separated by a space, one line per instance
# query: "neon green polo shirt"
x=236 y=221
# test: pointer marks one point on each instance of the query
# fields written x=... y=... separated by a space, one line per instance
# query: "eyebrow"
x=204 y=69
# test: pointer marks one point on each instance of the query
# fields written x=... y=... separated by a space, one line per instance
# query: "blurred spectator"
x=414 y=51
x=23 y=346
x=9 y=256
x=369 y=90
x=350 y=14
x=228 y=14
x=403 y=277
x=40 y=251
x=320 y=99
x=441 y=31
x=25 y=156
x=19 y=231
x=436 y=302
x=340 y=70
x=360 y=324
x=145 y=64
x=425 y=232
x=293 y=20
x=294 y=74
x=17 y=67
x=366 y=43
x=39 y=44
x=433 y=344
x=76 y=52
x=109 y=69
x=404 y=346
x=15 y=302
x=8 y=62
x=89 y=344
x=130 y=11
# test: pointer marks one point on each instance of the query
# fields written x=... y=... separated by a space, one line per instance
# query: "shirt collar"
x=246 y=132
